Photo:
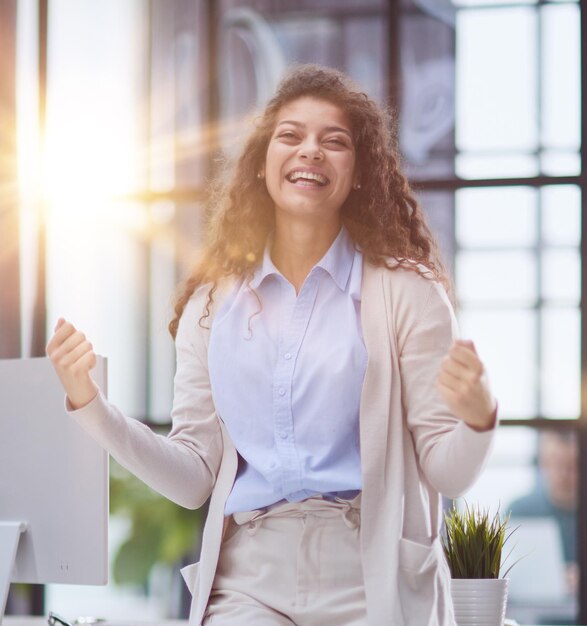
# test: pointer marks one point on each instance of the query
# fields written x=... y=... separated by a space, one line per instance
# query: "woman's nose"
x=310 y=149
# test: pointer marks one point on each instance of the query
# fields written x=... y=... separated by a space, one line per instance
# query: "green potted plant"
x=473 y=543
x=160 y=531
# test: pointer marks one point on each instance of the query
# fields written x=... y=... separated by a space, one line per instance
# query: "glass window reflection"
x=560 y=380
x=561 y=114
x=482 y=213
x=561 y=215
x=507 y=278
x=496 y=94
x=506 y=341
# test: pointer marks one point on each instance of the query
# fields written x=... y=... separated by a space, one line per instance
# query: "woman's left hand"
x=463 y=385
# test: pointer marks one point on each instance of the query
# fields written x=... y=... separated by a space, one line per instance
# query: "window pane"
x=496 y=91
x=100 y=287
x=561 y=84
x=428 y=91
x=93 y=131
x=482 y=213
x=365 y=42
x=506 y=342
x=94 y=152
x=188 y=137
x=508 y=165
x=560 y=163
x=561 y=363
x=561 y=215
x=496 y=277
x=561 y=275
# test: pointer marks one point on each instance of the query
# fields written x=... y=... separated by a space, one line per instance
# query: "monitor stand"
x=9 y=538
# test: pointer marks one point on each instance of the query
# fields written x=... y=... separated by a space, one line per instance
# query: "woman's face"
x=310 y=162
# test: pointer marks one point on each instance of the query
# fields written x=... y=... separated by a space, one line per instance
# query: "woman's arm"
x=182 y=466
x=449 y=408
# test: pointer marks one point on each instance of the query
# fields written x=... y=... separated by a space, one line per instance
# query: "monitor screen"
x=538 y=575
x=53 y=478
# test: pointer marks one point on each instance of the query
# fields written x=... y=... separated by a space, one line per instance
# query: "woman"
x=320 y=396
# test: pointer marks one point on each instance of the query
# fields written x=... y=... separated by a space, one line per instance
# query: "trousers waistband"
x=350 y=510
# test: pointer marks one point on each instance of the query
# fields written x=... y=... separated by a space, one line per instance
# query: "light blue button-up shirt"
x=286 y=374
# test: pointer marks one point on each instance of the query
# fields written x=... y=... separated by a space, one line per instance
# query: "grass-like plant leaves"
x=473 y=542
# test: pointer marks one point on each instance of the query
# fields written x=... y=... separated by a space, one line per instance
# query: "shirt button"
x=281 y=391
x=283 y=434
x=287 y=356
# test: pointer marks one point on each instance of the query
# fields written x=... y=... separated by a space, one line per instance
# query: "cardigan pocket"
x=416 y=559
x=424 y=584
x=191 y=576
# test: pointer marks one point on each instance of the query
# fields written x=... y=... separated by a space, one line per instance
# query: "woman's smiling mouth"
x=307 y=179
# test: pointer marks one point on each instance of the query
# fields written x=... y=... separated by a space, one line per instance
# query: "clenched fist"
x=72 y=356
x=463 y=385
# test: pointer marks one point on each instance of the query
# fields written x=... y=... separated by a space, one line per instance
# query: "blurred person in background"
x=555 y=493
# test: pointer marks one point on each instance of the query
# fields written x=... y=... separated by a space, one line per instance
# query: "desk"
x=563 y=612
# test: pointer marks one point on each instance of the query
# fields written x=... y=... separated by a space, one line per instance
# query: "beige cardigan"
x=412 y=448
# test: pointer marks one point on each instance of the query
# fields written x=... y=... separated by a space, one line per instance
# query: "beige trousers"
x=297 y=563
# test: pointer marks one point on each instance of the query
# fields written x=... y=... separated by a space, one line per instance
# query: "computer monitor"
x=538 y=575
x=53 y=483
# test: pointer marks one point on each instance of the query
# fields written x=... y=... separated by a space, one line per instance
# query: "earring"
x=260 y=175
x=357 y=186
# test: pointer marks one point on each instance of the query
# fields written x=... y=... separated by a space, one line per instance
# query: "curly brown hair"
x=383 y=217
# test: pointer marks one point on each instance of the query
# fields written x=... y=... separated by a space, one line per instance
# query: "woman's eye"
x=287 y=135
x=336 y=142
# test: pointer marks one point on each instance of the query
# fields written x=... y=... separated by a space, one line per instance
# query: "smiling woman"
x=309 y=170
x=310 y=163
x=359 y=132
x=322 y=399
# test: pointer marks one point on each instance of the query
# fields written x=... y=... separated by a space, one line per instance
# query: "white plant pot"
x=479 y=601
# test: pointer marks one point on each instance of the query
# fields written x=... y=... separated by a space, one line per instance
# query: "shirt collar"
x=337 y=261
x=267 y=268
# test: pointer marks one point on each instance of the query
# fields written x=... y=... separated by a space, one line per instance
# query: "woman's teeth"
x=307 y=177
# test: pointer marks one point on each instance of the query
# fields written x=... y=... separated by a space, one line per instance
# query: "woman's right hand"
x=72 y=356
